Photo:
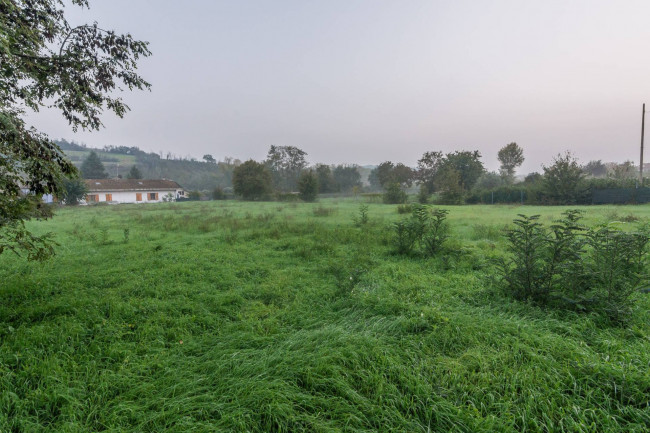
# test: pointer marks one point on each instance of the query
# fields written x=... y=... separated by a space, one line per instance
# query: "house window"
x=109 y=197
x=153 y=196
x=92 y=198
x=138 y=196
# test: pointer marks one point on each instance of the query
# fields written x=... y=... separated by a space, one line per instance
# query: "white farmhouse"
x=132 y=190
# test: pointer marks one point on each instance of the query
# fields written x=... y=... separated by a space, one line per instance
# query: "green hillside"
x=191 y=174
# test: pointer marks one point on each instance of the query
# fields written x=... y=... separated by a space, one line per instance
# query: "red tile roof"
x=130 y=184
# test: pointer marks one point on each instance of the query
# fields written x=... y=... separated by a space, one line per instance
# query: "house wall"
x=130 y=196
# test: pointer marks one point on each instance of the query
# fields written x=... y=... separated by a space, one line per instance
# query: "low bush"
x=362 y=218
x=394 y=194
x=404 y=208
x=322 y=211
x=570 y=266
x=425 y=229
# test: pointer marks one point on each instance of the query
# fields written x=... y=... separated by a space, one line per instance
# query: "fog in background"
x=368 y=81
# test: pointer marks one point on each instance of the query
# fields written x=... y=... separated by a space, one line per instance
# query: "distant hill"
x=190 y=174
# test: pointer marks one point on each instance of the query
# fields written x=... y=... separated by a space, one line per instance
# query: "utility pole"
x=642 y=134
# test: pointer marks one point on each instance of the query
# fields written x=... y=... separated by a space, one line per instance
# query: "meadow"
x=289 y=317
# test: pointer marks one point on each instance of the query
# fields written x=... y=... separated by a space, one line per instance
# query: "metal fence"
x=620 y=196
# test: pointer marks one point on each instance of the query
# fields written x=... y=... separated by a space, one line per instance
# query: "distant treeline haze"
x=455 y=177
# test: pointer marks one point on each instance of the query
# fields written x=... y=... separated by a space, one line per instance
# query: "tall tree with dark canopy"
x=46 y=62
x=428 y=167
x=468 y=165
x=384 y=173
x=92 y=167
x=510 y=156
x=347 y=177
x=74 y=190
x=286 y=163
x=308 y=186
x=251 y=180
x=326 y=181
x=595 y=168
x=134 y=173
x=562 y=180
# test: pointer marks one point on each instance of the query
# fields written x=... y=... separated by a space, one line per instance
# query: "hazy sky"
x=368 y=81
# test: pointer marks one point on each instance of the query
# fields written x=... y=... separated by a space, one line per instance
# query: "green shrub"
x=423 y=195
x=617 y=267
x=436 y=232
x=569 y=266
x=194 y=195
x=405 y=236
x=523 y=272
x=394 y=194
x=425 y=229
x=404 y=208
x=308 y=186
x=218 y=194
x=322 y=211
x=361 y=219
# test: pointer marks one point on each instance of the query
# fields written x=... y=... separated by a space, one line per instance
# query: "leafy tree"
x=46 y=62
x=347 y=177
x=403 y=174
x=326 y=182
x=423 y=195
x=510 y=156
x=134 y=173
x=74 y=190
x=384 y=173
x=209 y=159
x=92 y=167
x=562 y=180
x=388 y=173
x=252 y=180
x=308 y=186
x=285 y=163
x=533 y=178
x=489 y=180
x=427 y=169
x=394 y=194
x=450 y=185
x=373 y=179
x=218 y=194
x=595 y=168
x=468 y=166
x=625 y=170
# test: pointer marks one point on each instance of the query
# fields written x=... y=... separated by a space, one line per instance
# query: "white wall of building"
x=131 y=196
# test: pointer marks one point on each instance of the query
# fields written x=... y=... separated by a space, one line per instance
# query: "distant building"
x=132 y=191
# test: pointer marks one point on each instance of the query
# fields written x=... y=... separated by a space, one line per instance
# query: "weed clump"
x=322 y=211
x=362 y=218
x=425 y=231
x=567 y=265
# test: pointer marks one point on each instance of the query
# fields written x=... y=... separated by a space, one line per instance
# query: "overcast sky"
x=373 y=80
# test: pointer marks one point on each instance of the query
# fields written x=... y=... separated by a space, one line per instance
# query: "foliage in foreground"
x=595 y=269
x=425 y=231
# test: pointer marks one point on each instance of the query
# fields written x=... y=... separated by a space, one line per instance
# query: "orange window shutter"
x=109 y=197
x=138 y=196
x=156 y=196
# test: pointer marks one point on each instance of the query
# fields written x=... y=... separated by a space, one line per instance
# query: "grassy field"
x=275 y=317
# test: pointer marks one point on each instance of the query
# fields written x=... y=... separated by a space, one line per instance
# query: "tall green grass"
x=262 y=317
